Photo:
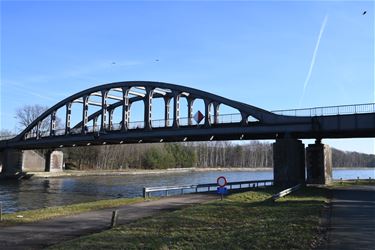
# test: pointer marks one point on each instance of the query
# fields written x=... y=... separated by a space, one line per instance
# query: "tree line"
x=352 y=159
x=226 y=154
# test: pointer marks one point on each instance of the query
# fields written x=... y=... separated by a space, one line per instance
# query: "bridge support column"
x=176 y=110
x=167 y=102
x=11 y=162
x=319 y=163
x=207 y=113
x=190 y=102
x=54 y=161
x=288 y=162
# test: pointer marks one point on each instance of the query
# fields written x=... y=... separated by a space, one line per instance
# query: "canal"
x=40 y=192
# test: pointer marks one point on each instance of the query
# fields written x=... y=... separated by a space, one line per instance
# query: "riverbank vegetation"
x=241 y=221
x=58 y=211
x=223 y=154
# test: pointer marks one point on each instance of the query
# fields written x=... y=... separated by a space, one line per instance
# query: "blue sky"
x=257 y=52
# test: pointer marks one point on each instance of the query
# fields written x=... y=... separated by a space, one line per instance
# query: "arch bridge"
x=144 y=111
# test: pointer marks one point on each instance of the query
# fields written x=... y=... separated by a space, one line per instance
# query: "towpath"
x=352 y=224
x=41 y=234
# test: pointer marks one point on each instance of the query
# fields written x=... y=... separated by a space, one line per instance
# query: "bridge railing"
x=167 y=190
x=228 y=118
x=7 y=137
x=184 y=121
x=329 y=110
x=156 y=123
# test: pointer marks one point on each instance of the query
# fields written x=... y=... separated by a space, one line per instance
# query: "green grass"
x=241 y=221
x=52 y=212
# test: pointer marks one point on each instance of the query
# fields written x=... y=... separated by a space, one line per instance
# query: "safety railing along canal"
x=173 y=190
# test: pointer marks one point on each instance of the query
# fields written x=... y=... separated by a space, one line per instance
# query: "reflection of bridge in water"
x=104 y=115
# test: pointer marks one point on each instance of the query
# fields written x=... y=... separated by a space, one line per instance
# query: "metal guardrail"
x=205 y=187
x=285 y=192
x=329 y=110
x=341 y=180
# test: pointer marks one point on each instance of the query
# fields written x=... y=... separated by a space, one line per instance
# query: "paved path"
x=352 y=223
x=45 y=233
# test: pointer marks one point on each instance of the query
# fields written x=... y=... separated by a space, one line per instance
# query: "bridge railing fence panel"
x=346 y=110
x=116 y=126
x=330 y=110
x=184 y=121
x=75 y=131
x=45 y=133
x=59 y=132
x=136 y=125
x=7 y=137
x=159 y=123
x=230 y=118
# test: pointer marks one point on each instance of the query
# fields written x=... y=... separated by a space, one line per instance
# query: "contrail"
x=313 y=58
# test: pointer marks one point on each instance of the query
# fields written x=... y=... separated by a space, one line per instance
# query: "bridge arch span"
x=119 y=97
x=109 y=113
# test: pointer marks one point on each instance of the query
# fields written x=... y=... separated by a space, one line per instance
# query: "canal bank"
x=81 y=173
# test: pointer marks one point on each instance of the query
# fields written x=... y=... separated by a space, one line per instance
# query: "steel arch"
x=174 y=91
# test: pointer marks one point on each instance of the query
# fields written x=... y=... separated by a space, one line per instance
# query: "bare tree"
x=5 y=132
x=26 y=114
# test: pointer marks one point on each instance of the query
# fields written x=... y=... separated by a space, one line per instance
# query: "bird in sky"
x=364 y=13
x=156 y=60
x=113 y=62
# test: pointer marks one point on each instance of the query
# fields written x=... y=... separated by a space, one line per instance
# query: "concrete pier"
x=11 y=162
x=319 y=163
x=288 y=162
x=14 y=161
x=33 y=160
x=54 y=161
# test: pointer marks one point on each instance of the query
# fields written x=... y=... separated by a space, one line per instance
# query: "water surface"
x=39 y=192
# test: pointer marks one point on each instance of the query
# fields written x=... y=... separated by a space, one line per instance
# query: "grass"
x=241 y=221
x=52 y=212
